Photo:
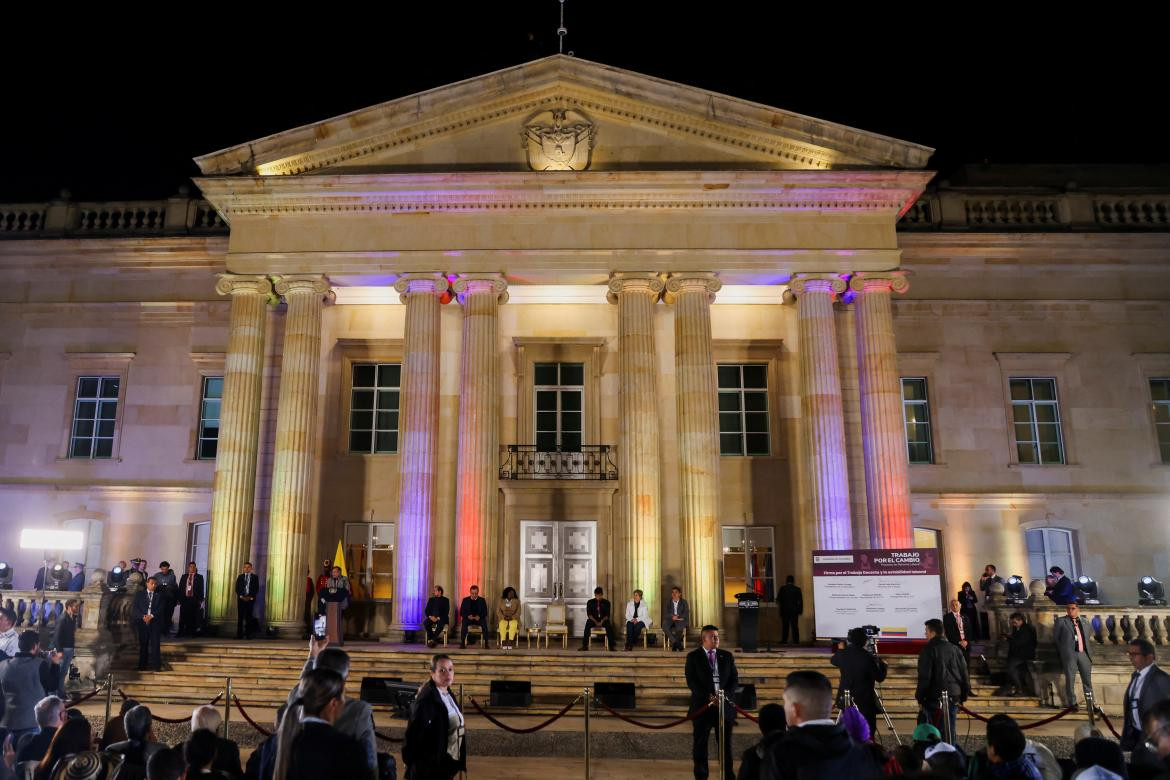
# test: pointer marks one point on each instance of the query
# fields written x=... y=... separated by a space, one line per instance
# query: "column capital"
x=427 y=284
x=471 y=284
x=832 y=284
x=317 y=284
x=230 y=284
x=891 y=281
x=707 y=283
x=636 y=281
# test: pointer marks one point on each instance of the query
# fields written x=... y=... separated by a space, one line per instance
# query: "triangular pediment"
x=612 y=119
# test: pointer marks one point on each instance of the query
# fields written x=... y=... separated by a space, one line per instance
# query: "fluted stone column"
x=698 y=441
x=418 y=447
x=292 y=465
x=637 y=538
x=883 y=425
x=824 y=420
x=477 y=476
x=234 y=491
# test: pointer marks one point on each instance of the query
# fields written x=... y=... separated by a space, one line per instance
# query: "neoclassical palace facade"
x=565 y=325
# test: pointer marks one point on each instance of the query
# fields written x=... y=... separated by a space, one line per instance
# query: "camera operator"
x=861 y=669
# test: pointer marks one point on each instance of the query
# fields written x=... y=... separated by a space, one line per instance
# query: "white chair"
x=556 y=621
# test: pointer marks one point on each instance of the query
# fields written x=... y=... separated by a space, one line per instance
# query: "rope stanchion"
x=1023 y=726
x=745 y=713
x=87 y=696
x=655 y=726
x=1108 y=722
x=161 y=719
x=248 y=717
x=511 y=730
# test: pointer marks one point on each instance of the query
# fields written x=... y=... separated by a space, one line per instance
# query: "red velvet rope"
x=745 y=713
x=161 y=719
x=87 y=696
x=508 y=728
x=1108 y=723
x=656 y=726
x=1023 y=726
x=248 y=718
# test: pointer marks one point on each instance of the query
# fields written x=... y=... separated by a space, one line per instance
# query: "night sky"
x=115 y=115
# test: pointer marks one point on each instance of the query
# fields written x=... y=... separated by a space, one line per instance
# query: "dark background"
x=115 y=106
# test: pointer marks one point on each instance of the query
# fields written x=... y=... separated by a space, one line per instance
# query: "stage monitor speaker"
x=377 y=690
x=745 y=696
x=511 y=693
x=620 y=696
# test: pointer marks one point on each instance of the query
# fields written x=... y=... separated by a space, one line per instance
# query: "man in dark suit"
x=710 y=670
x=1148 y=685
x=676 y=619
x=147 y=612
x=1060 y=587
x=436 y=616
x=247 y=586
x=598 y=613
x=861 y=671
x=957 y=628
x=473 y=612
x=791 y=608
x=190 y=601
x=1071 y=635
x=78 y=580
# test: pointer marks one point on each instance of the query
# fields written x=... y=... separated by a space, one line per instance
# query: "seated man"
x=637 y=620
x=437 y=616
x=473 y=612
x=598 y=612
x=678 y=616
x=50 y=714
x=140 y=746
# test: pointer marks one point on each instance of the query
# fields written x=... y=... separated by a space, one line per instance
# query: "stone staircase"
x=263 y=672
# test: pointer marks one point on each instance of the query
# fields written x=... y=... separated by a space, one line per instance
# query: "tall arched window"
x=91 y=556
x=1048 y=547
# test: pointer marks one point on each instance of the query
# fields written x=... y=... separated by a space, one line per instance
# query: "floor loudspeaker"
x=620 y=695
x=511 y=693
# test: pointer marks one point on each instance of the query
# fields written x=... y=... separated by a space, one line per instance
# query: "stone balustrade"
x=1007 y=211
x=179 y=215
x=104 y=622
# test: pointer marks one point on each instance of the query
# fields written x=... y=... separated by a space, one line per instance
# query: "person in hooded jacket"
x=815 y=747
x=772 y=728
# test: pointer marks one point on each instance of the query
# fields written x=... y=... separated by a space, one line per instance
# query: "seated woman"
x=508 y=613
x=332 y=601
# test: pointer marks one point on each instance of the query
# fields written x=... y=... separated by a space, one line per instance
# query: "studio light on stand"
x=58 y=578
x=116 y=581
x=1151 y=593
x=1014 y=591
x=5 y=576
x=1086 y=589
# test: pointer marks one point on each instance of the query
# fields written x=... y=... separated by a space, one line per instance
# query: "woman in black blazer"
x=436 y=728
x=308 y=747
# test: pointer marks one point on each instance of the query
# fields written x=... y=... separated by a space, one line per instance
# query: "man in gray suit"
x=1072 y=634
x=676 y=619
x=356 y=718
x=1148 y=686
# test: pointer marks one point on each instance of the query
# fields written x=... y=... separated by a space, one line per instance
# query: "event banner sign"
x=895 y=590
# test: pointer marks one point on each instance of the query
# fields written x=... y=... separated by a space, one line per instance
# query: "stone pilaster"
x=234 y=491
x=292 y=465
x=637 y=545
x=418 y=447
x=698 y=441
x=477 y=474
x=824 y=451
x=883 y=426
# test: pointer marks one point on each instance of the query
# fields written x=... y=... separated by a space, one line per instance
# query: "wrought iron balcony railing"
x=591 y=461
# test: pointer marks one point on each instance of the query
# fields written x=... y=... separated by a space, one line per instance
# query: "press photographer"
x=861 y=670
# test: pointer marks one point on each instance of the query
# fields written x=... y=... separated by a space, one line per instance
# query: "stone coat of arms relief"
x=559 y=139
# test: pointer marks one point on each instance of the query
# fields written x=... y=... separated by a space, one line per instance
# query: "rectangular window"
x=1160 y=394
x=209 y=417
x=748 y=562
x=917 y=412
x=94 y=414
x=198 y=543
x=1036 y=418
x=373 y=408
x=559 y=390
x=1048 y=547
x=743 y=410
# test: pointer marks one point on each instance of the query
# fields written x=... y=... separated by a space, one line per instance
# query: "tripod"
x=886 y=715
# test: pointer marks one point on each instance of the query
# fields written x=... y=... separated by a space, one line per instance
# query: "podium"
x=749 y=620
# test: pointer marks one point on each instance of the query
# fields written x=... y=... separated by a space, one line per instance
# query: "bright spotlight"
x=5 y=576
x=1086 y=590
x=51 y=539
x=58 y=578
x=1014 y=591
x=116 y=579
x=1151 y=593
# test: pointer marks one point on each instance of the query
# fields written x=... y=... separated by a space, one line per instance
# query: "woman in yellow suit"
x=508 y=613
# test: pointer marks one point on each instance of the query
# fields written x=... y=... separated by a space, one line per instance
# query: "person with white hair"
x=50 y=714
x=139 y=746
x=227 y=753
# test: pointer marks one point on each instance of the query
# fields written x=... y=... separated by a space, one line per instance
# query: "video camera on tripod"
x=871 y=635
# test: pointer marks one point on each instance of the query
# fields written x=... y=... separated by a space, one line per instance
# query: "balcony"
x=525 y=461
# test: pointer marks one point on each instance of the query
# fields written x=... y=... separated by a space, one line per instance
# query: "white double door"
x=558 y=559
